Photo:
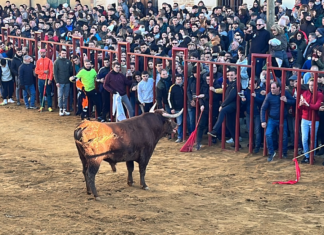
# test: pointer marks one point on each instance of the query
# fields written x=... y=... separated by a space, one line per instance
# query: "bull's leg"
x=130 y=168
x=142 y=170
x=93 y=168
x=84 y=171
x=85 y=168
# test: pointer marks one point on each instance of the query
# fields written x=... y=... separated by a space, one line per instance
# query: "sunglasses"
x=259 y=24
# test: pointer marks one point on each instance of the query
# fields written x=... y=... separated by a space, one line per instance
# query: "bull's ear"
x=153 y=107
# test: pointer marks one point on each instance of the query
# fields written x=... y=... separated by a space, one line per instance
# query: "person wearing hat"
x=44 y=70
x=26 y=78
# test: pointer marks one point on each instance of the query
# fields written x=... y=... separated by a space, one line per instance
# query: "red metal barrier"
x=33 y=46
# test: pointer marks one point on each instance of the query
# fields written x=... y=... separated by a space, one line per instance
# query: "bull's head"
x=169 y=124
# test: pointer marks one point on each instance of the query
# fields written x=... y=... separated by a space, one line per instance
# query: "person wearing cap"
x=44 y=70
x=15 y=64
x=26 y=78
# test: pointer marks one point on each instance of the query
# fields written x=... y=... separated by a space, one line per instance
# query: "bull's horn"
x=167 y=115
x=152 y=109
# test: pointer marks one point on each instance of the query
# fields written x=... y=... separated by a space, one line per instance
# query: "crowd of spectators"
x=220 y=35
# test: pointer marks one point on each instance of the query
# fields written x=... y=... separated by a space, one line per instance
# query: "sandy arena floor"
x=205 y=192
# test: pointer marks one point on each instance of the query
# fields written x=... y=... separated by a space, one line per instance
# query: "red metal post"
x=154 y=77
x=210 y=103
x=265 y=150
x=312 y=140
x=251 y=131
x=197 y=91
x=297 y=121
x=238 y=105
x=185 y=85
x=36 y=58
x=224 y=90
x=282 y=113
x=145 y=63
x=173 y=67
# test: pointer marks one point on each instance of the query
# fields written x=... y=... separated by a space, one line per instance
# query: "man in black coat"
x=259 y=43
x=15 y=64
x=162 y=90
x=176 y=103
x=204 y=107
x=26 y=77
x=228 y=106
x=104 y=93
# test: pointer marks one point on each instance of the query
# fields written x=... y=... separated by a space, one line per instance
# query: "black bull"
x=131 y=140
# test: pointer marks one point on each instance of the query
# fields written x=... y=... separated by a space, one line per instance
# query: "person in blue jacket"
x=272 y=103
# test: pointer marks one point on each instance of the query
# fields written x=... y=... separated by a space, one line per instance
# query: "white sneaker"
x=4 y=102
x=61 y=113
x=66 y=113
x=11 y=101
x=230 y=141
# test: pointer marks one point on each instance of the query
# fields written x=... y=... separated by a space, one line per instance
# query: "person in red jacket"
x=306 y=105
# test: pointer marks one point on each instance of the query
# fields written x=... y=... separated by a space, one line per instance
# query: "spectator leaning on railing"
x=272 y=103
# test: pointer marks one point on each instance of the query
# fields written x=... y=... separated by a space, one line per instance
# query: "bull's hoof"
x=146 y=188
x=130 y=184
x=97 y=198
x=89 y=192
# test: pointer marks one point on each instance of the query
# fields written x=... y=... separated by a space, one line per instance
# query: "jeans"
x=272 y=126
x=29 y=90
x=63 y=94
x=291 y=128
x=128 y=105
x=18 y=89
x=256 y=127
x=191 y=117
x=41 y=84
x=179 y=123
x=8 y=88
x=306 y=127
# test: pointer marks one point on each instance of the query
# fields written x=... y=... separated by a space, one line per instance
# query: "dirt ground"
x=205 y=192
